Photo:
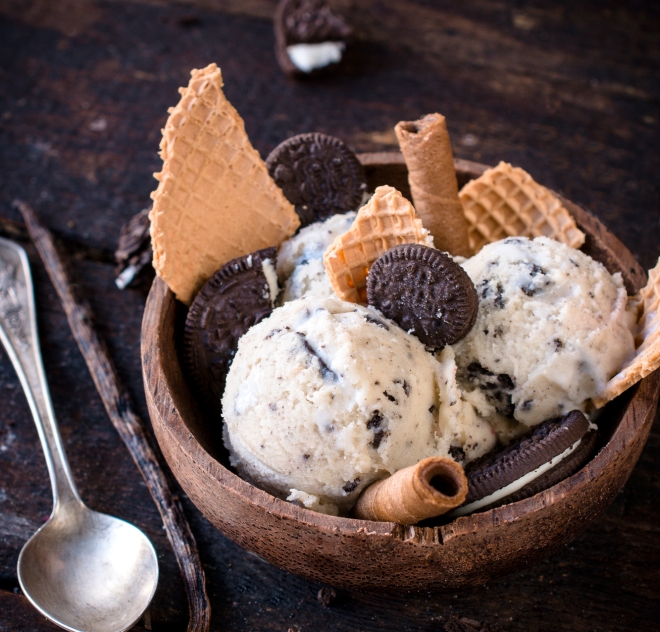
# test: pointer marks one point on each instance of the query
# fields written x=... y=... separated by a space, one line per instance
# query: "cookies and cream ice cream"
x=324 y=397
x=551 y=329
x=300 y=259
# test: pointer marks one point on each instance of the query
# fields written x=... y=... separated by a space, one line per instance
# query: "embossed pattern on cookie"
x=546 y=455
x=235 y=298
x=318 y=174
x=425 y=292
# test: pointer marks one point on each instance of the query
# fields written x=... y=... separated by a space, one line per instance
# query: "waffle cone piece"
x=426 y=147
x=425 y=490
x=647 y=355
x=215 y=200
x=385 y=221
x=506 y=202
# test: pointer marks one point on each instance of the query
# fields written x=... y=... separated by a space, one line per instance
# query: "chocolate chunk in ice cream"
x=496 y=387
x=235 y=298
x=318 y=174
x=425 y=292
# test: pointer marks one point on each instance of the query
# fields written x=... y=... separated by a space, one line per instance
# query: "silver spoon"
x=84 y=570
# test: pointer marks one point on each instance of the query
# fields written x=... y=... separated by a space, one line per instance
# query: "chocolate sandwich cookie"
x=235 y=298
x=425 y=292
x=551 y=452
x=318 y=174
x=310 y=38
x=134 y=250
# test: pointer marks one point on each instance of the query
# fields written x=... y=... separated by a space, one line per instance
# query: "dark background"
x=569 y=91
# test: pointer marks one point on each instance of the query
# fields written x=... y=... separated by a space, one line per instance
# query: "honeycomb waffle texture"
x=387 y=220
x=506 y=201
x=215 y=200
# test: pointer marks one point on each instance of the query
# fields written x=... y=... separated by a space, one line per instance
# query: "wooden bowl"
x=358 y=554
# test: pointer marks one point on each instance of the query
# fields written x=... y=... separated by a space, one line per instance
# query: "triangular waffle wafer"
x=506 y=202
x=385 y=221
x=647 y=355
x=215 y=200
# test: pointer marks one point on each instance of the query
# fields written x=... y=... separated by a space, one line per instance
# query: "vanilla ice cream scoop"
x=552 y=328
x=324 y=397
x=300 y=259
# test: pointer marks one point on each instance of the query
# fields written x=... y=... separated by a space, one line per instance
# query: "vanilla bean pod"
x=130 y=427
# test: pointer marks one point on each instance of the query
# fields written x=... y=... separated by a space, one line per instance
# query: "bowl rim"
x=634 y=423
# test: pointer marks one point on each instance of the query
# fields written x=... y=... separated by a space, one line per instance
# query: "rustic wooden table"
x=569 y=91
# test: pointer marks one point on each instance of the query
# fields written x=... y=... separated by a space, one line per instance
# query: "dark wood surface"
x=568 y=91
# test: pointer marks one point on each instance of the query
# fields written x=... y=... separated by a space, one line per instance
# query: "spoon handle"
x=18 y=333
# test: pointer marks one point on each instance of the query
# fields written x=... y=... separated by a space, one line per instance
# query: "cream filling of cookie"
x=270 y=273
x=126 y=277
x=308 y=57
x=516 y=485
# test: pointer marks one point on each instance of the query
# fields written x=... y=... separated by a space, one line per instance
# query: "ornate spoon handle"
x=18 y=333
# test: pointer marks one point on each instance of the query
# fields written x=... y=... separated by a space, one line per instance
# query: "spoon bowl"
x=76 y=568
x=84 y=570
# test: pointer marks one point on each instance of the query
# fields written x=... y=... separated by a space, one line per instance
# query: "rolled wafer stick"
x=426 y=147
x=425 y=490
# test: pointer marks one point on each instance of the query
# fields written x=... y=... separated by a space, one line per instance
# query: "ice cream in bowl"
x=397 y=370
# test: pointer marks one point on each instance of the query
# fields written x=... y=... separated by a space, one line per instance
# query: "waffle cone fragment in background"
x=426 y=147
x=425 y=490
x=215 y=200
x=385 y=221
x=507 y=202
x=647 y=355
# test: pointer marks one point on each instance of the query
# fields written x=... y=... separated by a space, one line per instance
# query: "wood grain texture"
x=362 y=554
x=568 y=91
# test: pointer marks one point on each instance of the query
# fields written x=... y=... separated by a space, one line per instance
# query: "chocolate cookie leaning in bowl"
x=235 y=298
x=319 y=175
x=549 y=453
x=425 y=292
